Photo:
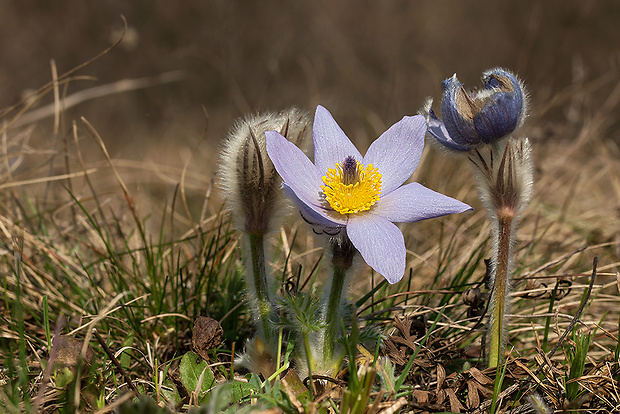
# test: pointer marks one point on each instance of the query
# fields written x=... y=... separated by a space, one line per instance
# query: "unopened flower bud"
x=251 y=185
x=477 y=117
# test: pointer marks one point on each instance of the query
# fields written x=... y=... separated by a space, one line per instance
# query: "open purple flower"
x=362 y=194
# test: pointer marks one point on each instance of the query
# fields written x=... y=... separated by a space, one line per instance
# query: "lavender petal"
x=396 y=153
x=380 y=243
x=331 y=145
x=414 y=202
x=296 y=170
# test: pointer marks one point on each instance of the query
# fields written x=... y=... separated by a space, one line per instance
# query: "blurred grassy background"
x=363 y=59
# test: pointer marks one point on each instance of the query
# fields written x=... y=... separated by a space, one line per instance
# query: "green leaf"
x=225 y=398
x=191 y=372
x=297 y=386
x=170 y=392
x=237 y=390
x=63 y=377
x=577 y=358
x=255 y=381
x=125 y=357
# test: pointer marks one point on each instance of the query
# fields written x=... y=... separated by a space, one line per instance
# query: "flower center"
x=351 y=187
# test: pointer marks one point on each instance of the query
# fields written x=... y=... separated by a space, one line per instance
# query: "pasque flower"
x=471 y=118
x=482 y=124
x=361 y=195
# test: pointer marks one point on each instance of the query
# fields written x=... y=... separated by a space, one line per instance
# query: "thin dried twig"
x=117 y=364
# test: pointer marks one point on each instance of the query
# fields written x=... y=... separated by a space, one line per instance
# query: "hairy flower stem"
x=342 y=260
x=504 y=175
x=501 y=278
x=333 y=310
x=260 y=284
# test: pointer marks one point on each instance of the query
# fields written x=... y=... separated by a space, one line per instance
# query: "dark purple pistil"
x=349 y=171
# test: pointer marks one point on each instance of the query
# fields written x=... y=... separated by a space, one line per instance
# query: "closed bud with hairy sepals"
x=251 y=185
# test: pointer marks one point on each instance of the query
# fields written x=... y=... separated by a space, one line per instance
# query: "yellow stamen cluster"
x=346 y=195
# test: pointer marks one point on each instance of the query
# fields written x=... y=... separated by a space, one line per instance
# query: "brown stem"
x=501 y=282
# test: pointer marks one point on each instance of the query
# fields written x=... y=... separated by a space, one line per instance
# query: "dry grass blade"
x=121 y=86
x=395 y=406
x=47 y=179
x=120 y=181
